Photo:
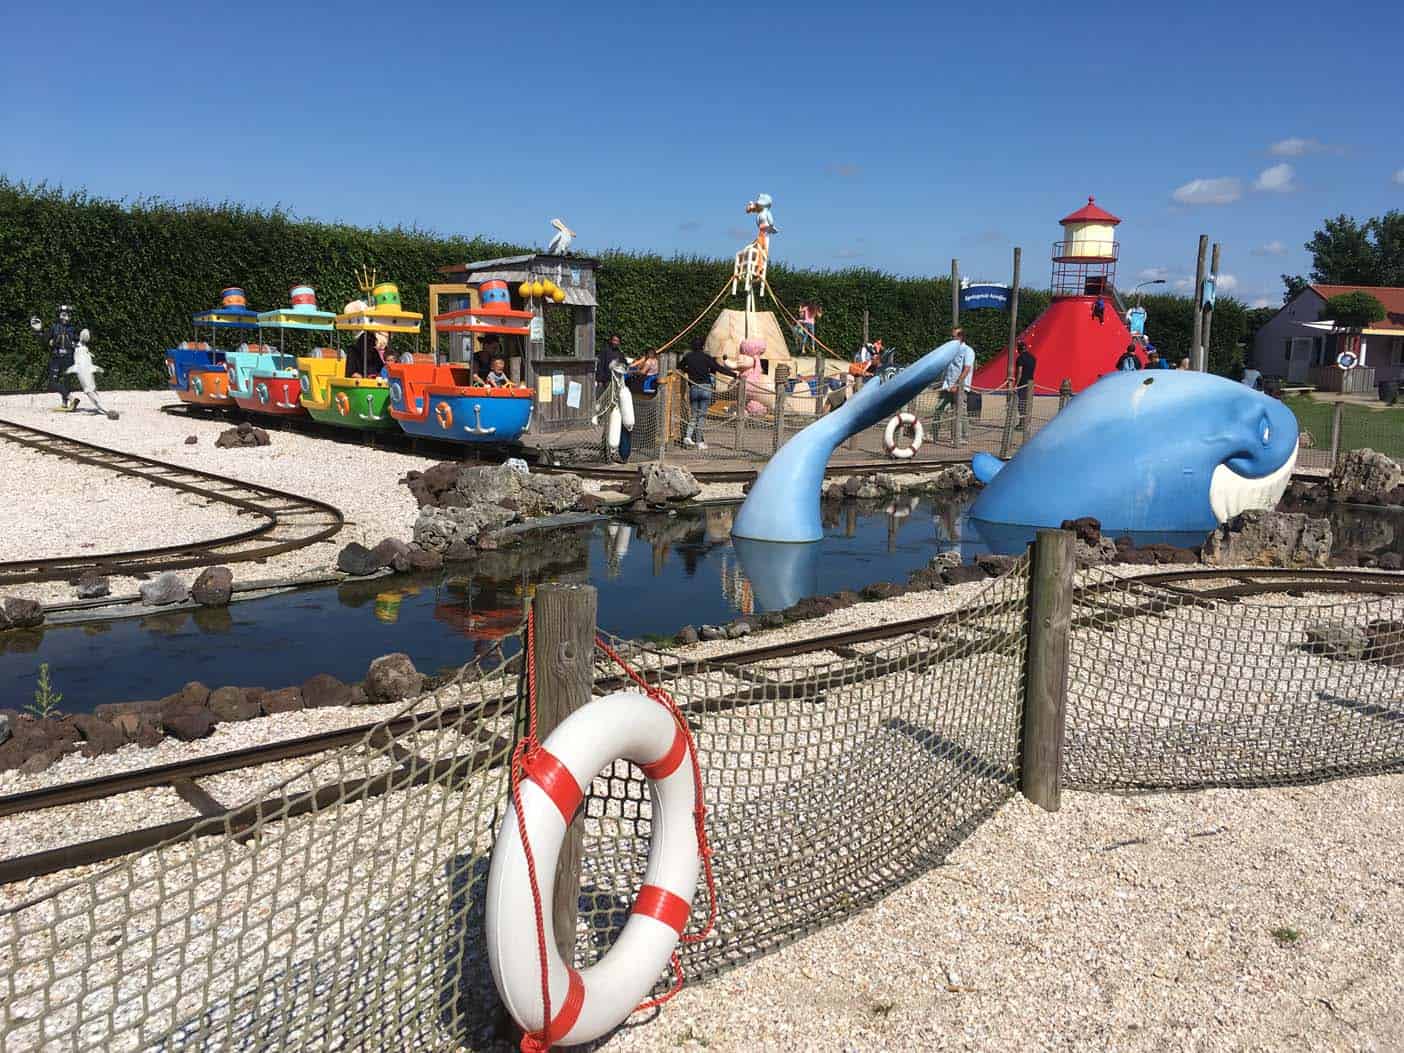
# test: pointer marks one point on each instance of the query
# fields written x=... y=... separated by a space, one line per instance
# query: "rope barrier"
x=693 y=324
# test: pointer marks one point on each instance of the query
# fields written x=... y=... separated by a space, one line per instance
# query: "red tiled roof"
x=1392 y=296
x=1090 y=213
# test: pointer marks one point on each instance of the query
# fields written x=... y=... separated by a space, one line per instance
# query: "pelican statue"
x=561 y=242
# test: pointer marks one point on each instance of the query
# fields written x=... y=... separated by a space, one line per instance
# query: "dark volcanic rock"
x=393 y=678
x=213 y=587
x=357 y=560
x=389 y=550
x=962 y=574
x=284 y=700
x=325 y=690
x=23 y=614
x=187 y=721
x=994 y=565
x=98 y=735
x=191 y=440
x=163 y=590
x=1270 y=539
x=883 y=590
x=1087 y=529
x=245 y=435
x=1364 y=477
x=772 y=620
x=686 y=635
x=925 y=579
x=93 y=587
x=194 y=691
x=1391 y=561
x=233 y=704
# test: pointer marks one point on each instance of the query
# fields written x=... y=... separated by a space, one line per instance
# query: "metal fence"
x=347 y=913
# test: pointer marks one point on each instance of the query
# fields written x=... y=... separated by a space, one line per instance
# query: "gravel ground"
x=362 y=482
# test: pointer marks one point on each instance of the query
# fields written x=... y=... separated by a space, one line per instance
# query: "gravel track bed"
x=49 y=506
x=362 y=482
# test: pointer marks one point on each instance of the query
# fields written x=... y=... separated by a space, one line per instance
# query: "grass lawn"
x=1381 y=429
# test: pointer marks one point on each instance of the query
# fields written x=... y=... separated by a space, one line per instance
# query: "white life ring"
x=593 y=1001
x=889 y=437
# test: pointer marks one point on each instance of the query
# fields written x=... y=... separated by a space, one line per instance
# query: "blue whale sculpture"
x=1147 y=451
x=783 y=505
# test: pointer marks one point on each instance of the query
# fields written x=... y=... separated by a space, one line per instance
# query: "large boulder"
x=98 y=735
x=358 y=561
x=660 y=484
x=1365 y=477
x=230 y=704
x=5 y=731
x=187 y=721
x=393 y=678
x=213 y=587
x=21 y=613
x=390 y=550
x=439 y=529
x=284 y=700
x=163 y=590
x=93 y=586
x=489 y=484
x=1262 y=538
x=545 y=495
x=430 y=485
x=325 y=690
x=242 y=436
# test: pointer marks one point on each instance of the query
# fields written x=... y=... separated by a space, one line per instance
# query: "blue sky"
x=891 y=135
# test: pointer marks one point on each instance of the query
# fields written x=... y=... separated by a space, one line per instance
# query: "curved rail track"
x=1199 y=585
x=285 y=521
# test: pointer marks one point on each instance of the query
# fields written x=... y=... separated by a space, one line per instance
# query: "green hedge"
x=136 y=273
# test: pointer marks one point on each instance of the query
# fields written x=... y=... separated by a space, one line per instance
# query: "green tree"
x=1388 y=232
x=1353 y=310
x=1342 y=253
x=1293 y=284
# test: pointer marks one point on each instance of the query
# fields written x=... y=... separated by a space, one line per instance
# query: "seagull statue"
x=561 y=242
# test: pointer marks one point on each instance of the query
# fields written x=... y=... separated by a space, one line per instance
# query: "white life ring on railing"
x=889 y=437
x=593 y=1001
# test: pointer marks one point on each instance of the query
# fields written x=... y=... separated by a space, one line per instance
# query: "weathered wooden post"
x=1006 y=444
x=740 y=388
x=565 y=674
x=1336 y=415
x=1064 y=394
x=1201 y=359
x=1046 y=667
x=782 y=376
x=1195 y=361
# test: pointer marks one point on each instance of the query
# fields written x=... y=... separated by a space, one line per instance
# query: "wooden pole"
x=1203 y=356
x=1336 y=432
x=1064 y=394
x=1006 y=444
x=955 y=293
x=1198 y=301
x=865 y=325
x=565 y=670
x=1046 y=669
x=740 y=388
x=782 y=374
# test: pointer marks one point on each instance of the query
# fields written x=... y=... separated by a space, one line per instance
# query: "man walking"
x=956 y=384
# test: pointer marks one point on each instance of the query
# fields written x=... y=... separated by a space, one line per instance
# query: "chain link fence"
x=346 y=912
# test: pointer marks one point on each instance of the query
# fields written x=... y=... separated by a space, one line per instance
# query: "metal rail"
x=288 y=521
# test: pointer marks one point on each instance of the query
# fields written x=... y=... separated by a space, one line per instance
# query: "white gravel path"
x=362 y=482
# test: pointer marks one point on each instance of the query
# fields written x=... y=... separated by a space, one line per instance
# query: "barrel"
x=233 y=297
x=386 y=294
x=304 y=298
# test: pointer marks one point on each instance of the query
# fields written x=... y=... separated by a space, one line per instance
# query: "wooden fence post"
x=782 y=375
x=565 y=675
x=1336 y=415
x=1046 y=667
x=740 y=388
x=1064 y=394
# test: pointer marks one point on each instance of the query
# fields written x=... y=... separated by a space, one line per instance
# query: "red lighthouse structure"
x=1083 y=332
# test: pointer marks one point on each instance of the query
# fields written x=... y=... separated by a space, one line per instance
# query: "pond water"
x=654 y=574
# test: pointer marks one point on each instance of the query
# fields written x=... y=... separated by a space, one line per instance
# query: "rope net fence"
x=345 y=911
x=1185 y=687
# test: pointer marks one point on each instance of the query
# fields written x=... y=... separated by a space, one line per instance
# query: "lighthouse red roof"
x=1090 y=213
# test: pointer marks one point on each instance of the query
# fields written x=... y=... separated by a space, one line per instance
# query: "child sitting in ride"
x=497 y=375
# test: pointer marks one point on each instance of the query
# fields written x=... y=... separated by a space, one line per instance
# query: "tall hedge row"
x=136 y=272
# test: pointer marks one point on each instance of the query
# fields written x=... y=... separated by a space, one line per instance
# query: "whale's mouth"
x=1231 y=494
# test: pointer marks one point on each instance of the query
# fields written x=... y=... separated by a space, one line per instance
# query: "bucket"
x=386 y=294
x=303 y=298
x=494 y=291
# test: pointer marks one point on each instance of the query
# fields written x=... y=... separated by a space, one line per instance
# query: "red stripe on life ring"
x=546 y=770
x=657 y=902
x=569 y=1012
x=668 y=763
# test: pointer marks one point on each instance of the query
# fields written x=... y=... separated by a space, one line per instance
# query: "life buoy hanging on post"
x=591 y=1002
x=443 y=413
x=906 y=422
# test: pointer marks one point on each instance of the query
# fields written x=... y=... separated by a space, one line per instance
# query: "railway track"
x=1197 y=586
x=283 y=521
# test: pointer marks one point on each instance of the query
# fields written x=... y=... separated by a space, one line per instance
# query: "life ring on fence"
x=592 y=1002
x=343 y=404
x=443 y=413
x=889 y=437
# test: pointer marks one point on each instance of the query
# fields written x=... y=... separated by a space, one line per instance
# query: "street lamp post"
x=1153 y=281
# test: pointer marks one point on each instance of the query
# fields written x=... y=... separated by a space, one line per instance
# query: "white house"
x=1292 y=345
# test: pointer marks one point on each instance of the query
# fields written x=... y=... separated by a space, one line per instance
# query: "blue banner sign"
x=984 y=294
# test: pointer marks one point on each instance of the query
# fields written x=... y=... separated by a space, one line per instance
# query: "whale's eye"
x=1265 y=430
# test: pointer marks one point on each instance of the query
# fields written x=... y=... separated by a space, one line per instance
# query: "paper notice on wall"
x=538 y=330
x=543 y=389
x=573 y=395
x=557 y=383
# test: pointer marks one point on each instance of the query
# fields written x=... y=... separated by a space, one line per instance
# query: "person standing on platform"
x=955 y=385
x=1024 y=365
x=699 y=368
x=1128 y=362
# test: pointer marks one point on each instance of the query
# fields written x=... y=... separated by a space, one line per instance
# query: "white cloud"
x=1209 y=192
x=1399 y=177
x=1227 y=282
x=1272 y=248
x=1151 y=274
x=1183 y=284
x=1261 y=301
x=1294 y=147
x=1277 y=179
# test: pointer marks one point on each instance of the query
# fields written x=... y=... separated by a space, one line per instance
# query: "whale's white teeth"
x=1231 y=494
